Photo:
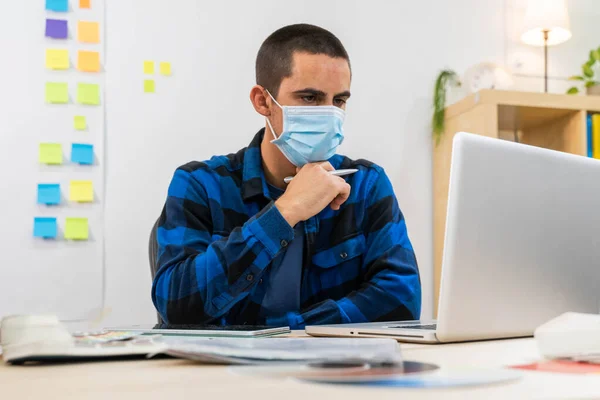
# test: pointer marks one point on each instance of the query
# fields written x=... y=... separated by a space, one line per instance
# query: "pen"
x=337 y=172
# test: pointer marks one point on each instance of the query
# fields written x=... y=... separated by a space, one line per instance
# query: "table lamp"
x=546 y=24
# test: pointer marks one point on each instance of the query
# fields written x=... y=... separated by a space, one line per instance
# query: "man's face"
x=316 y=80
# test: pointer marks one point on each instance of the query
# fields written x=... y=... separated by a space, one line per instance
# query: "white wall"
x=396 y=50
x=396 y=47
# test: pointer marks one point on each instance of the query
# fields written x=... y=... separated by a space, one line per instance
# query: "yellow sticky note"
x=149 y=67
x=88 y=61
x=149 y=86
x=165 y=68
x=57 y=59
x=50 y=153
x=81 y=191
x=76 y=228
x=57 y=93
x=79 y=122
x=88 y=32
x=88 y=93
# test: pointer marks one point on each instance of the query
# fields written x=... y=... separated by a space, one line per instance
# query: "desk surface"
x=169 y=378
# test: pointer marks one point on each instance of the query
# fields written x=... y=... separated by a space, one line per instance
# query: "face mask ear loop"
x=271 y=128
x=269 y=122
x=273 y=98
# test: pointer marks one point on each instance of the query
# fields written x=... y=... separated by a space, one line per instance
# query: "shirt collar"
x=254 y=182
x=253 y=179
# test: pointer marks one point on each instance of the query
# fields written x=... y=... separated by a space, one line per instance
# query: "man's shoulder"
x=367 y=169
x=220 y=164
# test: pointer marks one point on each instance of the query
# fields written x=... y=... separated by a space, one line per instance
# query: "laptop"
x=230 y=331
x=522 y=245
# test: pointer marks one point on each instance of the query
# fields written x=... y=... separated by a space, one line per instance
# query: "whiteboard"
x=42 y=275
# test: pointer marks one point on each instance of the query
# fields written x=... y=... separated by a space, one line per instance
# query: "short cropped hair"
x=275 y=56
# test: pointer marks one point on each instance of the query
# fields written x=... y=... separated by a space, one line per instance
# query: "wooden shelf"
x=553 y=121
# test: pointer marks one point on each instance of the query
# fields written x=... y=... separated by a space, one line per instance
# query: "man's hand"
x=311 y=190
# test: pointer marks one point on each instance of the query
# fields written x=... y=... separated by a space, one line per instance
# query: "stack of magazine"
x=43 y=338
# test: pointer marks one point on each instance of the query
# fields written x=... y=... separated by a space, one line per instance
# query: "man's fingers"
x=343 y=194
x=327 y=166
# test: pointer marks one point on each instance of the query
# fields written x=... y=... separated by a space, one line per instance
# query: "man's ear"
x=259 y=100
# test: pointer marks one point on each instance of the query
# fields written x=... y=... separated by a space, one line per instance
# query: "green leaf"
x=589 y=84
x=576 y=78
x=445 y=79
x=594 y=55
x=573 y=90
x=587 y=70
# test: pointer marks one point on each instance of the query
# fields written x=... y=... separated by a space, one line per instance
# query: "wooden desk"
x=178 y=379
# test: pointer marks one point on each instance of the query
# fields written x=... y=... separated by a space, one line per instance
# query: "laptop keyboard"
x=429 y=327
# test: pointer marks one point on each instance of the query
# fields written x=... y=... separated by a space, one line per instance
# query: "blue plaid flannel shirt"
x=219 y=232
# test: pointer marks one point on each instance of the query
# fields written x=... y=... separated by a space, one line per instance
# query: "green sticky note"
x=57 y=93
x=76 y=228
x=79 y=122
x=149 y=86
x=88 y=93
x=50 y=153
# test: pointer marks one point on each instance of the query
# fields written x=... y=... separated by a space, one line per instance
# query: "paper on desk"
x=561 y=366
x=256 y=351
x=105 y=337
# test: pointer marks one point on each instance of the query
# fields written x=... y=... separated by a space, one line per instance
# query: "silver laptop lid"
x=522 y=240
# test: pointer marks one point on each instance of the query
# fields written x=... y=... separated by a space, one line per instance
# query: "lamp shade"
x=546 y=15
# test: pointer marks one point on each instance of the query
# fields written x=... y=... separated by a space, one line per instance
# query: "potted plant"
x=590 y=74
x=445 y=79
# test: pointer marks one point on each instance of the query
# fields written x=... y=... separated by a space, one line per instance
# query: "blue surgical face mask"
x=310 y=133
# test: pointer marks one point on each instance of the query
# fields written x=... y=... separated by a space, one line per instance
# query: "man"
x=238 y=246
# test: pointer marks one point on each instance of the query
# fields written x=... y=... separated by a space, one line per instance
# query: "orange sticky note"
x=88 y=61
x=88 y=32
x=85 y=4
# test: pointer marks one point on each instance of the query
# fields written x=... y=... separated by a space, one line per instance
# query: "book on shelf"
x=595 y=131
x=590 y=147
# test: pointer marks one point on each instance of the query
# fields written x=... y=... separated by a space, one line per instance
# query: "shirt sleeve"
x=201 y=276
x=391 y=290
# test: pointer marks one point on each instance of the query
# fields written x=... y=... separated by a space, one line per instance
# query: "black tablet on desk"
x=245 y=331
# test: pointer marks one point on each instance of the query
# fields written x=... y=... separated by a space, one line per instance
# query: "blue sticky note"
x=44 y=227
x=57 y=5
x=48 y=193
x=82 y=153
